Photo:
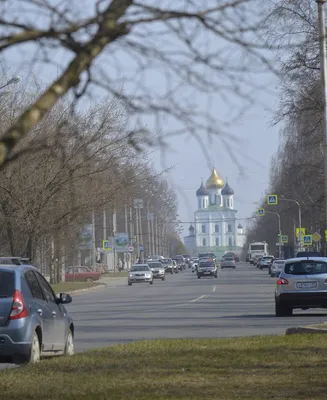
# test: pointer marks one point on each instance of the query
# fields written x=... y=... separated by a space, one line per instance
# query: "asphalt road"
x=239 y=303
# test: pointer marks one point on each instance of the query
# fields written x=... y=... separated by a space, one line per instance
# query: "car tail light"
x=282 y=281
x=18 y=308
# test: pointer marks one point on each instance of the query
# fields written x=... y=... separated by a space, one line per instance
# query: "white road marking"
x=199 y=298
x=214 y=289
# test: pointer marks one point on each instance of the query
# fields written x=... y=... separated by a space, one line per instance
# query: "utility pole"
x=114 y=231
x=93 y=243
x=104 y=224
x=323 y=76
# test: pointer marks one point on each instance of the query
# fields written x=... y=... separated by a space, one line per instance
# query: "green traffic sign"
x=272 y=199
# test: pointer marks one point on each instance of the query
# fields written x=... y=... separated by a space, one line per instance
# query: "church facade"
x=215 y=223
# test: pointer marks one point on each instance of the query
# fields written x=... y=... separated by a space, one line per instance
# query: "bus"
x=257 y=249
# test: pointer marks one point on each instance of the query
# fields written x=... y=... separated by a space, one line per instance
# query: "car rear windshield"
x=140 y=268
x=307 y=254
x=155 y=265
x=279 y=262
x=7 y=283
x=306 y=268
x=207 y=264
x=229 y=259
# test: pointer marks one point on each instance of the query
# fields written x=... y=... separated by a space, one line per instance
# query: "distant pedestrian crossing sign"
x=284 y=239
x=260 y=212
x=272 y=199
x=307 y=240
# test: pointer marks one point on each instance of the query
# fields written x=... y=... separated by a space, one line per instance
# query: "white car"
x=195 y=263
x=140 y=273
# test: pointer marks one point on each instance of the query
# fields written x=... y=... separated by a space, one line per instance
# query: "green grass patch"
x=65 y=287
x=270 y=367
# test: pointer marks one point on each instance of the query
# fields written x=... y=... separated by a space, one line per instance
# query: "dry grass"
x=278 y=367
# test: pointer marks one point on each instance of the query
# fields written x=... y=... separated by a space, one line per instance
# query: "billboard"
x=86 y=237
x=121 y=242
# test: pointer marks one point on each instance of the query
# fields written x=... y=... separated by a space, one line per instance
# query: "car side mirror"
x=64 y=298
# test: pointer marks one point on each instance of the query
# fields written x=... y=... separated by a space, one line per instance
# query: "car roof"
x=297 y=259
x=140 y=265
x=21 y=267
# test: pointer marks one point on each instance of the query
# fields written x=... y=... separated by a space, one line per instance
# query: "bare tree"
x=161 y=61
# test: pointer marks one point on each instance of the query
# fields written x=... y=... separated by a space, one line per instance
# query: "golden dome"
x=215 y=181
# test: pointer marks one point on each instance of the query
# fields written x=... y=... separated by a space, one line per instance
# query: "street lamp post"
x=300 y=218
x=279 y=232
x=323 y=76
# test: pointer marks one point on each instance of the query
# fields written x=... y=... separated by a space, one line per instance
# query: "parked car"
x=140 y=273
x=81 y=274
x=158 y=270
x=228 y=262
x=301 y=284
x=33 y=321
x=168 y=265
x=207 y=267
x=264 y=262
x=276 y=267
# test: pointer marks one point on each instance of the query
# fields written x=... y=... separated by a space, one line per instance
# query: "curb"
x=100 y=285
x=305 y=330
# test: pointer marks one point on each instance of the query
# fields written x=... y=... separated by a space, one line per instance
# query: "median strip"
x=274 y=367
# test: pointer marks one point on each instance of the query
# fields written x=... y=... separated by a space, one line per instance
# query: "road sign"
x=284 y=239
x=316 y=237
x=297 y=230
x=279 y=244
x=105 y=244
x=141 y=247
x=260 y=212
x=272 y=199
x=326 y=235
x=131 y=249
x=307 y=240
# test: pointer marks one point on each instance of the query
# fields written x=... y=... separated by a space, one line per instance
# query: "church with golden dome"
x=215 y=224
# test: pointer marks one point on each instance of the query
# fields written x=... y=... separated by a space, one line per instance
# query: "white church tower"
x=216 y=229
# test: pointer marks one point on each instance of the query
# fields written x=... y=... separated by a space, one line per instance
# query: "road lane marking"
x=199 y=298
x=214 y=289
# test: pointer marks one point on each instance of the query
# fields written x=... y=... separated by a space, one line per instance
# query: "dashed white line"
x=199 y=298
x=214 y=289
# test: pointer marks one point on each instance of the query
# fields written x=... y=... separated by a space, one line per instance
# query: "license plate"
x=207 y=273
x=306 y=285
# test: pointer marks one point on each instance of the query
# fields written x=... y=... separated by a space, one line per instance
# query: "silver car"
x=158 y=270
x=264 y=262
x=276 y=267
x=228 y=262
x=301 y=284
x=140 y=273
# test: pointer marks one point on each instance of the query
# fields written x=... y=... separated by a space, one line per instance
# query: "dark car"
x=207 y=255
x=33 y=320
x=180 y=261
x=207 y=268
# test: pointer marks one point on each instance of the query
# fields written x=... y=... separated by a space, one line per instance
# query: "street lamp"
x=279 y=231
x=300 y=218
x=323 y=77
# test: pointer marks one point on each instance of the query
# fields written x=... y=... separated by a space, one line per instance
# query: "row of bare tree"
x=297 y=167
x=70 y=166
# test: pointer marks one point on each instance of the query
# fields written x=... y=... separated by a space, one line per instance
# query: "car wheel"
x=129 y=283
x=199 y=276
x=151 y=283
x=172 y=272
x=69 y=347
x=282 y=311
x=216 y=276
x=89 y=280
x=163 y=278
x=34 y=354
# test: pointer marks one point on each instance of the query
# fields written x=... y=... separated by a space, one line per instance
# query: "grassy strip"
x=273 y=367
x=65 y=287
